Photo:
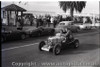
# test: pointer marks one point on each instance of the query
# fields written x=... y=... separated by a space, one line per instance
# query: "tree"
x=72 y=5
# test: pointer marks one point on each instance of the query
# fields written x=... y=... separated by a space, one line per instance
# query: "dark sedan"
x=42 y=31
x=7 y=35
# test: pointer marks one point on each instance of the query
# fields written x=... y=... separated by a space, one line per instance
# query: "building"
x=11 y=13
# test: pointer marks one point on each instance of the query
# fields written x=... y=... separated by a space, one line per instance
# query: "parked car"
x=12 y=34
x=88 y=25
x=42 y=31
x=83 y=26
x=69 y=25
x=56 y=43
x=97 y=25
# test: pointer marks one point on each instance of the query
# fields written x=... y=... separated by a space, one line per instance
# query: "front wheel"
x=76 y=44
x=41 y=44
x=78 y=29
x=57 y=50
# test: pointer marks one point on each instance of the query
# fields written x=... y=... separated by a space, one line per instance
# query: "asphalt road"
x=25 y=53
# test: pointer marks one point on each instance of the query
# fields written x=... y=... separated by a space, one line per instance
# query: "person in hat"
x=66 y=33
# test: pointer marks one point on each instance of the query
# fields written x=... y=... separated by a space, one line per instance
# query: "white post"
x=94 y=20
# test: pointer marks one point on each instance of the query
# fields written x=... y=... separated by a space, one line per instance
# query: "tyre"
x=76 y=44
x=78 y=29
x=56 y=49
x=23 y=36
x=41 y=44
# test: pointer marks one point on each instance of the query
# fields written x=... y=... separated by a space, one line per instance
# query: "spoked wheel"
x=76 y=44
x=57 y=50
x=41 y=44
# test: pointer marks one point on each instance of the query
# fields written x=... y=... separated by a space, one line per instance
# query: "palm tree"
x=72 y=5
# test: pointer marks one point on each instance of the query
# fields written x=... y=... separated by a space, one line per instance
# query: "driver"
x=66 y=33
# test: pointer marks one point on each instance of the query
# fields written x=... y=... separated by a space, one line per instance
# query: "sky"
x=52 y=6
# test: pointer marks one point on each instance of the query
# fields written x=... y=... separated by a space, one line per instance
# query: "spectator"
x=48 y=21
x=41 y=22
x=31 y=20
x=19 y=24
x=19 y=21
x=54 y=22
x=22 y=22
x=44 y=22
x=51 y=19
x=37 y=23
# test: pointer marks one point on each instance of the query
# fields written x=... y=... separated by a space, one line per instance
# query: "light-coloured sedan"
x=67 y=24
x=83 y=26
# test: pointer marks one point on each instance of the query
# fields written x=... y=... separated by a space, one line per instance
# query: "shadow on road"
x=84 y=48
x=96 y=65
x=88 y=31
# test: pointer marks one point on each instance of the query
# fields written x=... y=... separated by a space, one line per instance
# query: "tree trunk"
x=16 y=18
x=71 y=13
x=8 y=17
x=22 y=20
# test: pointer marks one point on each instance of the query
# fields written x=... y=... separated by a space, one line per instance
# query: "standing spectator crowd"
x=46 y=21
x=49 y=21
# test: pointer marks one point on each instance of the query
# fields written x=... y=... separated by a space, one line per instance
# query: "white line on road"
x=18 y=47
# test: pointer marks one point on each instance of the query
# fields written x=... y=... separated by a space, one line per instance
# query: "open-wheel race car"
x=56 y=43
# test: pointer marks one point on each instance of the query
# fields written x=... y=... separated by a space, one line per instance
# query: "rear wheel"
x=41 y=44
x=57 y=50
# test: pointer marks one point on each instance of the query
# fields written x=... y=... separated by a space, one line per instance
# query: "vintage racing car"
x=56 y=43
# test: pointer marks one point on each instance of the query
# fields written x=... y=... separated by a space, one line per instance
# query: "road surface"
x=25 y=53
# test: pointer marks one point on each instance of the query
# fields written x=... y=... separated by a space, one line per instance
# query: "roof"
x=27 y=14
x=13 y=7
x=65 y=22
